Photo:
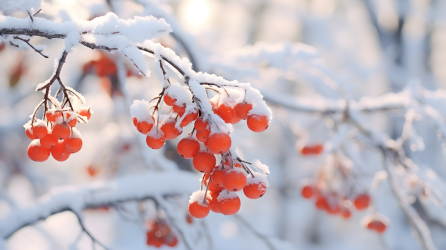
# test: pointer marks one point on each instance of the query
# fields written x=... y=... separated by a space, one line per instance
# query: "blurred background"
x=314 y=50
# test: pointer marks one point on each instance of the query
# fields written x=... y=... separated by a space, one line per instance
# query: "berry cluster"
x=57 y=136
x=221 y=184
x=336 y=204
x=159 y=233
x=210 y=136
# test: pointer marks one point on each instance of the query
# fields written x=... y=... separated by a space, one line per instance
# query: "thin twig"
x=257 y=234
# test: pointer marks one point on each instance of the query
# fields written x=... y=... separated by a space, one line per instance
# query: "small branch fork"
x=84 y=229
x=30 y=45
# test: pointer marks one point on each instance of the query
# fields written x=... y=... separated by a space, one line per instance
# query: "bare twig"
x=257 y=234
x=30 y=45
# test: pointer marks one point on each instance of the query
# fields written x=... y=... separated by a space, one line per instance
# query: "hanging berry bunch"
x=210 y=137
x=159 y=233
x=55 y=133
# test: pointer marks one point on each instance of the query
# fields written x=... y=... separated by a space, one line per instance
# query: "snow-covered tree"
x=354 y=134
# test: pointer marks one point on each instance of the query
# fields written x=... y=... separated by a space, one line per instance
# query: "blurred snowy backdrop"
x=364 y=79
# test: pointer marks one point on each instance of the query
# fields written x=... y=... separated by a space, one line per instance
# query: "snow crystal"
x=71 y=40
x=198 y=197
x=264 y=168
x=140 y=110
x=226 y=195
x=9 y=6
x=259 y=178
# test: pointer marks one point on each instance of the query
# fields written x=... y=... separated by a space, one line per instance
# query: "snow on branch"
x=99 y=194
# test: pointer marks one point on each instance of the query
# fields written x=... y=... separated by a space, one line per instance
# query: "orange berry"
x=227 y=114
x=237 y=165
x=214 y=202
x=49 y=141
x=380 y=227
x=204 y=162
x=333 y=208
x=228 y=203
x=199 y=211
x=38 y=153
x=200 y=124
x=135 y=121
x=168 y=100
x=241 y=110
x=219 y=143
x=53 y=117
x=258 y=123
x=155 y=142
x=362 y=201
x=189 y=219
x=179 y=108
x=151 y=238
x=254 y=190
x=73 y=145
x=144 y=127
x=59 y=153
x=189 y=118
x=188 y=147
x=28 y=133
x=61 y=131
x=234 y=180
x=212 y=186
x=85 y=113
x=217 y=176
x=39 y=131
x=170 y=131
x=92 y=171
x=307 y=191
x=203 y=135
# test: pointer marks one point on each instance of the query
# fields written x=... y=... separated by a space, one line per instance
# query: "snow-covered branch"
x=99 y=194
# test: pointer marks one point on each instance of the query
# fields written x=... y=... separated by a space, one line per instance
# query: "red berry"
x=199 y=211
x=72 y=123
x=39 y=131
x=254 y=190
x=135 y=121
x=170 y=131
x=203 y=135
x=49 y=141
x=155 y=142
x=228 y=203
x=28 y=133
x=346 y=213
x=168 y=100
x=214 y=202
x=321 y=203
x=59 y=152
x=61 y=131
x=212 y=186
x=189 y=118
x=38 y=153
x=200 y=124
x=258 y=123
x=188 y=147
x=144 y=127
x=52 y=117
x=241 y=110
x=218 y=175
x=234 y=180
x=307 y=191
x=362 y=201
x=171 y=240
x=179 y=108
x=227 y=114
x=85 y=113
x=189 y=219
x=73 y=145
x=317 y=149
x=204 y=162
x=306 y=151
x=219 y=143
